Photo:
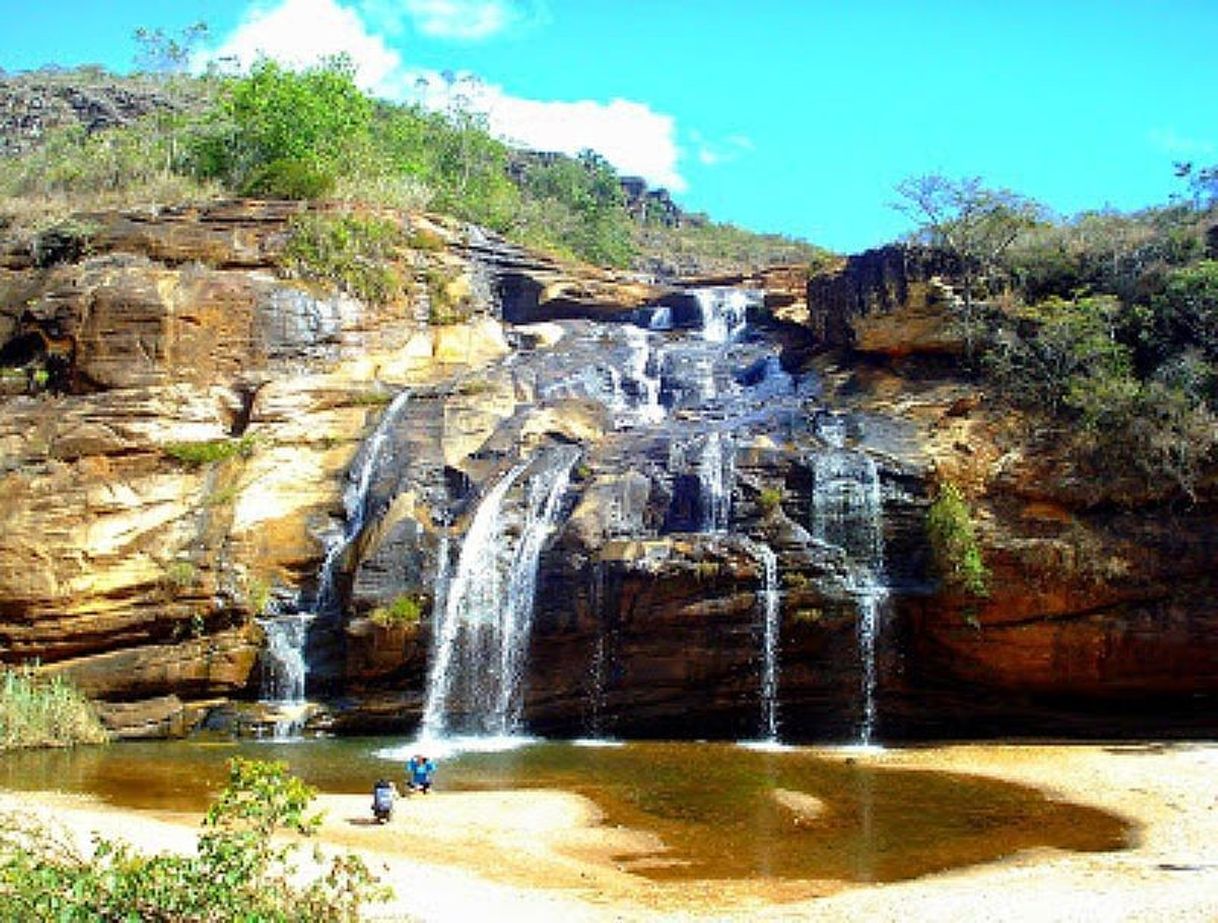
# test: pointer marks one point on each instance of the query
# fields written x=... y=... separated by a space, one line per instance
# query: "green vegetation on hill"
x=313 y=134
x=1106 y=326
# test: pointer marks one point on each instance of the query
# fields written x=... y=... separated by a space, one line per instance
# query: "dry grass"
x=41 y=711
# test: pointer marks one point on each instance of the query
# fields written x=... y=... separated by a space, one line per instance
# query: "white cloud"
x=630 y=135
x=299 y=33
x=713 y=153
x=1170 y=141
x=456 y=20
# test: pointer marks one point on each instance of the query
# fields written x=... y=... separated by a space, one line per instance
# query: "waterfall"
x=285 y=666
x=770 y=601
x=481 y=635
x=649 y=409
x=716 y=475
x=723 y=311
x=847 y=512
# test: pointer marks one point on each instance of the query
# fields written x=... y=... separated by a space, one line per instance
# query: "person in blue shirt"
x=419 y=773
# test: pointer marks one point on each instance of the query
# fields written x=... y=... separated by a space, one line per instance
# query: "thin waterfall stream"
x=285 y=666
x=768 y=594
x=847 y=512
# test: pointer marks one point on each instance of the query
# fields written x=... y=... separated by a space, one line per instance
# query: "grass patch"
x=769 y=499
x=179 y=576
x=45 y=711
x=448 y=302
x=206 y=452
x=352 y=253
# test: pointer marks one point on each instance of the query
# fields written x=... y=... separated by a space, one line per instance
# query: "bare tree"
x=972 y=222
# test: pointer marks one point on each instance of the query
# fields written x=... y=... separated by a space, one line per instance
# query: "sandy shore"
x=546 y=856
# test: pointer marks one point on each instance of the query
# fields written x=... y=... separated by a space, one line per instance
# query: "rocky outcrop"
x=1098 y=620
x=33 y=104
x=890 y=301
x=134 y=341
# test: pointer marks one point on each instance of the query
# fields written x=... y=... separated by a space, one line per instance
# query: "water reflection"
x=722 y=811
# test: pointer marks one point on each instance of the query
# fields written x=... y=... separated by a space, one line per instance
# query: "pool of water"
x=722 y=811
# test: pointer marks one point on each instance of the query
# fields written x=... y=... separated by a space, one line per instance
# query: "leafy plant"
x=279 y=131
x=769 y=499
x=241 y=870
x=179 y=575
x=404 y=610
x=953 y=540
x=44 y=711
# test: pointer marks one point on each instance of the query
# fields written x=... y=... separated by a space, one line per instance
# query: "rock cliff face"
x=1100 y=620
x=195 y=449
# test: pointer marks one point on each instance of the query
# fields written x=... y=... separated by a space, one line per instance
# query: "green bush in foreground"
x=238 y=872
x=44 y=712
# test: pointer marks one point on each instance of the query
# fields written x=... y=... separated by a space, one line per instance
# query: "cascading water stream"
x=716 y=473
x=482 y=633
x=847 y=512
x=648 y=410
x=723 y=311
x=285 y=666
x=770 y=603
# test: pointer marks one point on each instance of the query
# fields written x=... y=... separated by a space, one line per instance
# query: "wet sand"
x=546 y=855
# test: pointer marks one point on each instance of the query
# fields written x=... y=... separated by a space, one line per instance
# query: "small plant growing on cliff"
x=241 y=870
x=205 y=452
x=44 y=711
x=178 y=576
x=405 y=610
x=769 y=499
x=354 y=253
x=445 y=305
x=257 y=595
x=949 y=525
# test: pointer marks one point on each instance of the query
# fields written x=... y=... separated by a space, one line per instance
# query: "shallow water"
x=713 y=805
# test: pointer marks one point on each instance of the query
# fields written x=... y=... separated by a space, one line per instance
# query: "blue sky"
x=791 y=117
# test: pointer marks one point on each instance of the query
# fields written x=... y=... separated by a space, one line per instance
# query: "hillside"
x=71 y=136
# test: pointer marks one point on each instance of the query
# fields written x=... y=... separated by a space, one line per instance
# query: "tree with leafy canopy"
x=973 y=222
x=287 y=133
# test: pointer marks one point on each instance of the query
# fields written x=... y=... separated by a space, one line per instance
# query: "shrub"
x=240 y=871
x=288 y=178
x=953 y=541
x=404 y=610
x=280 y=128
x=44 y=711
x=1053 y=347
